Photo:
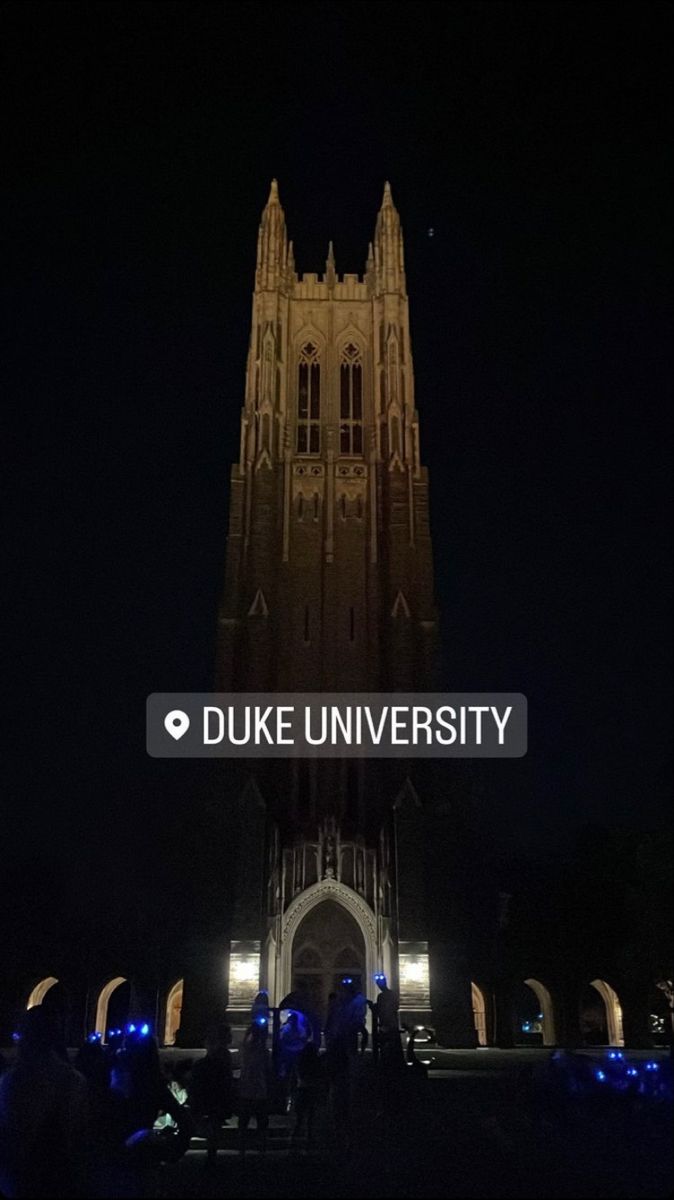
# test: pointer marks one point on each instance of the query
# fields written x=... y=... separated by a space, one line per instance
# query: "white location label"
x=176 y=723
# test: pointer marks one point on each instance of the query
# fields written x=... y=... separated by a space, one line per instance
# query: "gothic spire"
x=330 y=272
x=272 y=243
x=388 y=246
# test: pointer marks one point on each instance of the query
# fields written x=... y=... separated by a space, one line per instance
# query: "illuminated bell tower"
x=328 y=587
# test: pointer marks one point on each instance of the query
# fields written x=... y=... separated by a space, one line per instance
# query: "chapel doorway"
x=327 y=946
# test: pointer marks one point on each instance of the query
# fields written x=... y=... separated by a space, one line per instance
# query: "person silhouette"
x=385 y=1016
x=211 y=1086
x=343 y=1029
x=308 y=1084
x=143 y=1093
x=260 y=1006
x=293 y=1037
x=44 y=1116
x=254 y=1083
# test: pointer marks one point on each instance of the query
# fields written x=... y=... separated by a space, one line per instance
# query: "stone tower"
x=328 y=587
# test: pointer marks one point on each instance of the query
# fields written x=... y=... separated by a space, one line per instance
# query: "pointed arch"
x=174 y=1003
x=309 y=357
x=259 y=606
x=309 y=333
x=400 y=606
x=102 y=1004
x=479 y=1006
x=350 y=333
x=544 y=998
x=40 y=990
x=614 y=1012
x=328 y=889
x=350 y=396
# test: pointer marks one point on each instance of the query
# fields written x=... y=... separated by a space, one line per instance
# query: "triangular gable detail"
x=400 y=607
x=408 y=795
x=259 y=606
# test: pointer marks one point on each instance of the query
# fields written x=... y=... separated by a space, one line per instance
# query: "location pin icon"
x=176 y=723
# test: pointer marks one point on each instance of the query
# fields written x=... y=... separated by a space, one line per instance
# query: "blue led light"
x=144 y=1030
x=95 y=1037
x=600 y=1076
x=16 y=1037
x=652 y=1066
x=260 y=1020
x=347 y=979
x=632 y=1071
x=131 y=1029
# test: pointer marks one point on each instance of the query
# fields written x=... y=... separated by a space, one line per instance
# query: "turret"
x=330 y=272
x=388 y=247
x=272 y=244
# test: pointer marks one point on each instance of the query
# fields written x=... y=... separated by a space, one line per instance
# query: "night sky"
x=532 y=139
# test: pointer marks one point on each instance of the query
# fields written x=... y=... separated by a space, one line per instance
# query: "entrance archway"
x=174 y=1004
x=479 y=1014
x=546 y=1010
x=614 y=1012
x=40 y=991
x=102 y=1006
x=600 y=1015
x=356 y=907
x=328 y=944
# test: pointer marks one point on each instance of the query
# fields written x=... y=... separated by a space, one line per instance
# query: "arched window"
x=174 y=1003
x=103 y=1003
x=546 y=1015
x=479 y=1014
x=614 y=1012
x=309 y=401
x=351 y=401
x=40 y=991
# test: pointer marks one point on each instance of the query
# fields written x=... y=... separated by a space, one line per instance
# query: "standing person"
x=43 y=1117
x=293 y=1038
x=299 y=1001
x=385 y=1016
x=260 y=1006
x=358 y=1017
x=309 y=1079
x=254 y=1084
x=211 y=1086
x=346 y=1019
x=355 y=1017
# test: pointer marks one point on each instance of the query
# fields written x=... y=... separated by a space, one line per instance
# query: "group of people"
x=87 y=1127
x=97 y=1124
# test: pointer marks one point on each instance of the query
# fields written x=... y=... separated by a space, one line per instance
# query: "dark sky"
x=532 y=139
